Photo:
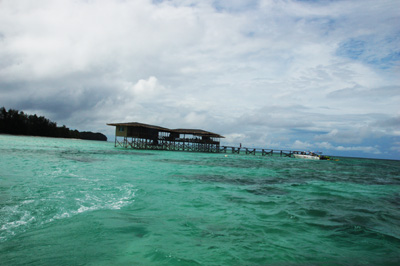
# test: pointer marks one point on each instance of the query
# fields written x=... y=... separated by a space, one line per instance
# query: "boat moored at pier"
x=309 y=155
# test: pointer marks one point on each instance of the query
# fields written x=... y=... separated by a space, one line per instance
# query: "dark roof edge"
x=196 y=132
x=140 y=125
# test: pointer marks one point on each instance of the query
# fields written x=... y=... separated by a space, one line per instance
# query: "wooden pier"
x=149 y=137
x=141 y=136
x=253 y=151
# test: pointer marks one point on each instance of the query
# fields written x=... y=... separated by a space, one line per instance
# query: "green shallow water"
x=74 y=202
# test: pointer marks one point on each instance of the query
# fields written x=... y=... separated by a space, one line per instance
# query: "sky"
x=281 y=74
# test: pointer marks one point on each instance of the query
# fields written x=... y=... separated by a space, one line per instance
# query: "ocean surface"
x=76 y=202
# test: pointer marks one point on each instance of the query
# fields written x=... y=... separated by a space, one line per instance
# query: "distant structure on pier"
x=149 y=137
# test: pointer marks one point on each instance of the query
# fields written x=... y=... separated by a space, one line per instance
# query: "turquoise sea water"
x=75 y=202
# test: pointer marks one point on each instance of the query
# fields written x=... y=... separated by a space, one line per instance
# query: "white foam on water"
x=62 y=216
x=21 y=218
x=85 y=209
x=104 y=201
x=30 y=212
x=14 y=224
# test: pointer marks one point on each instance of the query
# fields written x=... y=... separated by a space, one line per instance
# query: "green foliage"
x=14 y=122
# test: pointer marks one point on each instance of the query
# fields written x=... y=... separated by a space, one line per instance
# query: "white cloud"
x=146 y=89
x=272 y=72
x=235 y=138
x=364 y=149
x=300 y=145
x=395 y=147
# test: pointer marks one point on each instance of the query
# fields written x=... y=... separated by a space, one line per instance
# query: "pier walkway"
x=253 y=151
x=142 y=136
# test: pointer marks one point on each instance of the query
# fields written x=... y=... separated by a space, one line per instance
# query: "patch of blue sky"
x=176 y=3
x=353 y=49
x=235 y=6
x=384 y=145
x=384 y=53
x=250 y=34
x=387 y=61
x=322 y=2
x=303 y=132
x=324 y=24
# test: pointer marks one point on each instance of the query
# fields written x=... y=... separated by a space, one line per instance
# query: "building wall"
x=121 y=131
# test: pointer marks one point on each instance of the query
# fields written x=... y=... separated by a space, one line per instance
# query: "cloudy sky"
x=296 y=74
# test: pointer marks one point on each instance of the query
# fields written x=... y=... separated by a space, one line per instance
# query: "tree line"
x=18 y=123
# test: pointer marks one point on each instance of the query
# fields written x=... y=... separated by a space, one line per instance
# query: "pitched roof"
x=196 y=132
x=136 y=124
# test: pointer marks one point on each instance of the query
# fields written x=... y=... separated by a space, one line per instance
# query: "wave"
x=34 y=213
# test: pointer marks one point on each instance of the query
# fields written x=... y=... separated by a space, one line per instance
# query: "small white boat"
x=305 y=156
x=308 y=155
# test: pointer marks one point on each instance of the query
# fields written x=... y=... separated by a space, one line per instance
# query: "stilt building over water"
x=149 y=137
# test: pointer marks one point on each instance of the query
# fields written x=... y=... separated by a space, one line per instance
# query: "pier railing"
x=168 y=145
x=254 y=151
x=195 y=146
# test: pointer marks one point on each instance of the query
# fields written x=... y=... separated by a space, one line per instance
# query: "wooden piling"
x=248 y=151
